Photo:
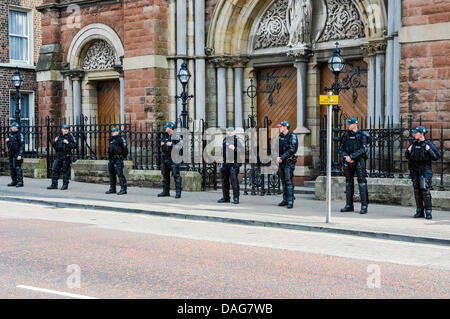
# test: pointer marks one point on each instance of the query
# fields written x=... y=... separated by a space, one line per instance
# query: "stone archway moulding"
x=95 y=31
x=232 y=22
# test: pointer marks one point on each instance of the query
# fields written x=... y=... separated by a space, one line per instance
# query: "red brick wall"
x=425 y=67
x=420 y=12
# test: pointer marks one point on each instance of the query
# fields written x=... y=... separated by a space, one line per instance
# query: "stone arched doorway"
x=96 y=75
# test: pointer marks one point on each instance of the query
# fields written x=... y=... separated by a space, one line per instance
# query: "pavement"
x=308 y=214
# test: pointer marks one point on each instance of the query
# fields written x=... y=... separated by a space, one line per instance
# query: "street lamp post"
x=17 y=82
x=336 y=64
x=184 y=76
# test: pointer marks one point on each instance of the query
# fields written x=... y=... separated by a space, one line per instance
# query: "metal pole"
x=18 y=98
x=336 y=109
x=329 y=143
x=184 y=104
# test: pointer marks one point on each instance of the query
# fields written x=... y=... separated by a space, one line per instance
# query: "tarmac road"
x=100 y=254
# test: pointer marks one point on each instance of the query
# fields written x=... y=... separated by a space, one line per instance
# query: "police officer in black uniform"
x=15 y=144
x=63 y=144
x=232 y=148
x=353 y=149
x=118 y=152
x=167 y=164
x=420 y=154
x=288 y=145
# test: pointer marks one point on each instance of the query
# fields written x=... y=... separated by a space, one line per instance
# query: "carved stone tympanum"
x=273 y=31
x=343 y=21
x=99 y=56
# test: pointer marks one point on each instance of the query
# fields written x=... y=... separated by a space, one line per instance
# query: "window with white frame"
x=20 y=36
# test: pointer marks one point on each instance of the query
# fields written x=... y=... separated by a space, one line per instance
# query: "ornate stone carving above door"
x=273 y=30
x=343 y=21
x=288 y=24
x=99 y=56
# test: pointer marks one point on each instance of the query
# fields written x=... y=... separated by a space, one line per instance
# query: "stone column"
x=370 y=49
x=122 y=98
x=302 y=171
x=390 y=61
x=371 y=87
x=119 y=70
x=302 y=66
x=238 y=96
x=200 y=64
x=380 y=86
x=396 y=63
x=221 y=97
x=376 y=52
x=76 y=76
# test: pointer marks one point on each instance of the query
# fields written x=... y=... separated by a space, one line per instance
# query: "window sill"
x=18 y=65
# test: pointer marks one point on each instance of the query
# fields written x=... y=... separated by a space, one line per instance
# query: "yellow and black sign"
x=329 y=99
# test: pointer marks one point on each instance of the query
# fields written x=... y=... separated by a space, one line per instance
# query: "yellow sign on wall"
x=329 y=99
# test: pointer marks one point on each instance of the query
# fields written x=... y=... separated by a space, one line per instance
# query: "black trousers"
x=286 y=172
x=167 y=167
x=229 y=173
x=61 y=165
x=422 y=193
x=15 y=169
x=115 y=169
x=357 y=168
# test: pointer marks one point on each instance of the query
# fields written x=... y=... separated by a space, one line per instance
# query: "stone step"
x=304 y=190
x=311 y=184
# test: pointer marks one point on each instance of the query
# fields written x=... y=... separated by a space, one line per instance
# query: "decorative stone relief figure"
x=99 y=56
x=299 y=22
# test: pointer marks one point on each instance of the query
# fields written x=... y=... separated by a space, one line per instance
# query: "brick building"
x=90 y=47
x=20 y=40
x=120 y=58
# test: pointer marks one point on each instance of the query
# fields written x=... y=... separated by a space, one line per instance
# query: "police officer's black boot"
x=13 y=183
x=13 y=174
x=364 y=194
x=419 y=204
x=123 y=191
x=225 y=190
x=178 y=187
x=284 y=202
x=235 y=185
x=19 y=177
x=290 y=195
x=166 y=189
x=427 y=203
x=112 y=184
x=349 y=192
x=65 y=186
x=54 y=185
x=123 y=182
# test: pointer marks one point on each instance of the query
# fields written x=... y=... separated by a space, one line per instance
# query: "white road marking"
x=65 y=294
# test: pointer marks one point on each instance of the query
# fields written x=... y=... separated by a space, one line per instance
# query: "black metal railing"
x=389 y=142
